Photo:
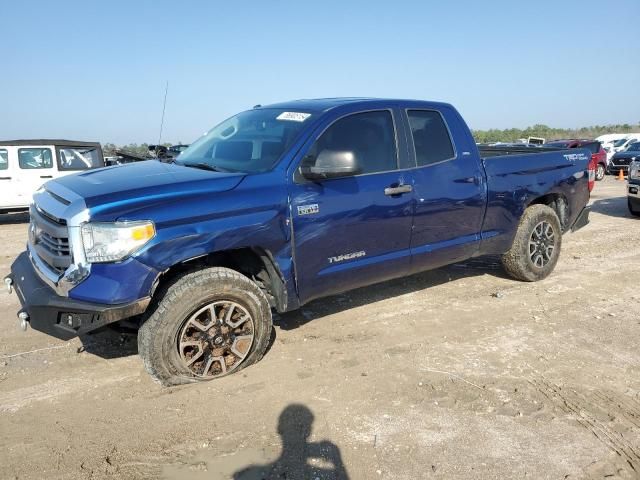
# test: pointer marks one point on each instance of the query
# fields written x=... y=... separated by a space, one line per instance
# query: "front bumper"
x=633 y=195
x=63 y=317
x=614 y=169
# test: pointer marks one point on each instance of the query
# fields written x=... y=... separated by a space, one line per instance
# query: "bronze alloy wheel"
x=216 y=339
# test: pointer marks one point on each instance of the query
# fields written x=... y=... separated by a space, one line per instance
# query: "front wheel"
x=600 y=172
x=206 y=324
x=536 y=245
x=632 y=211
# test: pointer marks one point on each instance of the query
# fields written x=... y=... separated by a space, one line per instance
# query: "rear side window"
x=430 y=137
x=78 y=158
x=370 y=136
x=593 y=147
x=4 y=159
x=32 y=158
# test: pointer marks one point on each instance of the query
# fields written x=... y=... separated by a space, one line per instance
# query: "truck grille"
x=621 y=161
x=49 y=238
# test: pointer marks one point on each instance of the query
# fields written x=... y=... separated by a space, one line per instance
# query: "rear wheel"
x=536 y=246
x=205 y=325
x=632 y=211
x=600 y=172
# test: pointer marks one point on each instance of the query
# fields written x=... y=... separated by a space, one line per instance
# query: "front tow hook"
x=24 y=320
x=8 y=281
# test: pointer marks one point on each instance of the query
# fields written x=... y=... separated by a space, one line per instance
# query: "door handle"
x=399 y=190
x=475 y=180
x=46 y=176
x=5 y=178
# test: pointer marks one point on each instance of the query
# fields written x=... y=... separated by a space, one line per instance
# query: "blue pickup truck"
x=275 y=207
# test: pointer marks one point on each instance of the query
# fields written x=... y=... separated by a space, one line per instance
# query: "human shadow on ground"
x=299 y=459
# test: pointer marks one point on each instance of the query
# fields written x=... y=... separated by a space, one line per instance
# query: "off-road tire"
x=176 y=302
x=517 y=261
x=635 y=213
x=600 y=172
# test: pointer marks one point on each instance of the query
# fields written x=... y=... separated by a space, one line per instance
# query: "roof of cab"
x=45 y=141
x=324 y=104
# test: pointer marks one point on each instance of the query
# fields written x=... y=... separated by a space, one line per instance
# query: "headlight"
x=110 y=242
x=634 y=169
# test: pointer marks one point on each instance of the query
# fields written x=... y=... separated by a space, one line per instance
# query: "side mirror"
x=331 y=164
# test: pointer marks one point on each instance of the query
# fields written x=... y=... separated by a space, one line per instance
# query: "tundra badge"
x=347 y=256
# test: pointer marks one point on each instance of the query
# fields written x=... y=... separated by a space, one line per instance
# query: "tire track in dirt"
x=583 y=411
x=14 y=400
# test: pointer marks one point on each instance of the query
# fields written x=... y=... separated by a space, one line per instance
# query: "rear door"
x=449 y=189
x=352 y=231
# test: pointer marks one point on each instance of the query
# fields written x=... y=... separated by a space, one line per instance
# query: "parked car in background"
x=278 y=206
x=176 y=150
x=621 y=144
x=633 y=188
x=598 y=154
x=164 y=153
x=608 y=140
x=26 y=164
x=622 y=160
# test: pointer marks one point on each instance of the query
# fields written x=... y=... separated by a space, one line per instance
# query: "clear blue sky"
x=97 y=70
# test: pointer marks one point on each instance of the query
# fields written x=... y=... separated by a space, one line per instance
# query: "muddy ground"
x=455 y=373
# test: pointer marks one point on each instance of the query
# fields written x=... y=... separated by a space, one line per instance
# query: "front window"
x=250 y=142
x=619 y=143
x=79 y=158
x=369 y=136
x=4 y=159
x=34 y=158
x=634 y=147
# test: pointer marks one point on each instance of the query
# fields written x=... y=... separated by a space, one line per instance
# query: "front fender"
x=177 y=244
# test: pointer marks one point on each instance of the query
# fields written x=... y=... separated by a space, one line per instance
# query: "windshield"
x=250 y=142
x=634 y=147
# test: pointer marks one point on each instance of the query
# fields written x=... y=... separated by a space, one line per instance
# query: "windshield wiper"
x=202 y=166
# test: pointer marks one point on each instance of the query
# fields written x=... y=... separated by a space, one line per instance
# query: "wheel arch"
x=256 y=263
x=558 y=203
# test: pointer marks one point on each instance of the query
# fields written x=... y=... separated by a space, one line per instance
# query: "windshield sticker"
x=293 y=116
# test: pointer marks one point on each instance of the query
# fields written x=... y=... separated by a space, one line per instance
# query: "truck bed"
x=518 y=175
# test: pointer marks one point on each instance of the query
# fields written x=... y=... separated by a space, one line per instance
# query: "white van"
x=26 y=164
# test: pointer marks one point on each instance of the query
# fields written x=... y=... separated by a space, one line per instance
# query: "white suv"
x=26 y=164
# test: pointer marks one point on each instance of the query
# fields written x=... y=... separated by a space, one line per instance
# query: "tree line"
x=550 y=133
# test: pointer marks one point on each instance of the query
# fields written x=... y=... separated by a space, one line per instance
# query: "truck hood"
x=136 y=184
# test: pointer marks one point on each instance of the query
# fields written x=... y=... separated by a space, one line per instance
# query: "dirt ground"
x=457 y=373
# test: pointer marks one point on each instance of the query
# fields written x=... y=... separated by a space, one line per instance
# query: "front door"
x=36 y=166
x=352 y=231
